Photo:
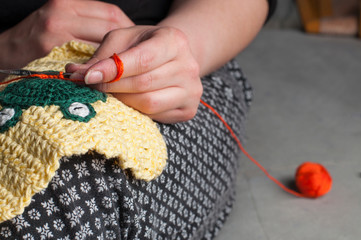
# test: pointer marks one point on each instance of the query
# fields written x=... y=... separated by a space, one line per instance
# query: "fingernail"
x=77 y=76
x=93 y=77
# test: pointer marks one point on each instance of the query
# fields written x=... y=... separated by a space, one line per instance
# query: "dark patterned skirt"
x=92 y=198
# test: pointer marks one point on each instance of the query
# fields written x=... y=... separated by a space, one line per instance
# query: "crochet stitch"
x=37 y=92
x=43 y=120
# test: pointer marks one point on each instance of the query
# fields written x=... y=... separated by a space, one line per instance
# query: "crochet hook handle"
x=24 y=72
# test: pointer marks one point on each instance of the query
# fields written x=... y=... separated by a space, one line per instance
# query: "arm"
x=217 y=30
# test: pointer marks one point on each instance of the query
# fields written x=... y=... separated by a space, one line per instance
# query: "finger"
x=144 y=57
x=79 y=70
x=96 y=18
x=113 y=42
x=174 y=115
x=90 y=29
x=104 y=11
x=146 y=82
x=169 y=112
x=154 y=102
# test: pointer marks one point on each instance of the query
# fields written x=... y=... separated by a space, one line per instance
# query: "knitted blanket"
x=43 y=120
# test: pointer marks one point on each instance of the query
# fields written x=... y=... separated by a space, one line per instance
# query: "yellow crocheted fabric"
x=56 y=118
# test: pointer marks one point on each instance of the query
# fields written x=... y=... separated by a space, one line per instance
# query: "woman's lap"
x=91 y=198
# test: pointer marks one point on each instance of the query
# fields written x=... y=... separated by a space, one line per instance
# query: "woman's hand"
x=57 y=22
x=160 y=78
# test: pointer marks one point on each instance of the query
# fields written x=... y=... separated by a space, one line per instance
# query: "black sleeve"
x=272 y=7
x=14 y=11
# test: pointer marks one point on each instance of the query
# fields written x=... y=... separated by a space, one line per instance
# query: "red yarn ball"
x=313 y=180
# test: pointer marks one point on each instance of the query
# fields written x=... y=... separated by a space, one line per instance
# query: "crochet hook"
x=23 y=72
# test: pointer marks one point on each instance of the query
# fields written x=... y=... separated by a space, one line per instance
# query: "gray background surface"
x=307 y=107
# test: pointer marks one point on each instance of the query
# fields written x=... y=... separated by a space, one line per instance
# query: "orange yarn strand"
x=117 y=60
x=42 y=76
x=120 y=67
x=306 y=180
x=248 y=155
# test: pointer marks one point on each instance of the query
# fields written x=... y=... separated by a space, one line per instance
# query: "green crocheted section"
x=73 y=99
x=7 y=119
x=40 y=92
x=81 y=112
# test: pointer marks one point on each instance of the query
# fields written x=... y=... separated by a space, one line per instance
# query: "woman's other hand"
x=57 y=22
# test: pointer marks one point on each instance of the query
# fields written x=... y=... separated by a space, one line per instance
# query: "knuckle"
x=195 y=95
x=115 y=16
x=198 y=91
x=150 y=105
x=180 y=38
x=193 y=75
x=50 y=24
x=177 y=36
x=144 y=59
x=189 y=114
x=114 y=13
x=175 y=33
x=51 y=20
x=143 y=82
x=193 y=69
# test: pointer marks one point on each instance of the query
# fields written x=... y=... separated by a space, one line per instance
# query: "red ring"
x=120 y=67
